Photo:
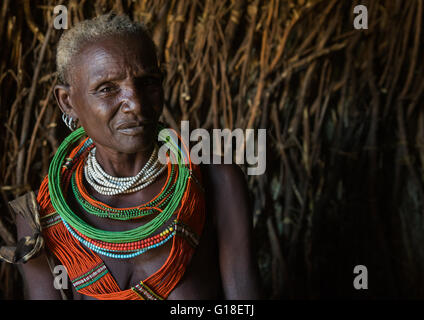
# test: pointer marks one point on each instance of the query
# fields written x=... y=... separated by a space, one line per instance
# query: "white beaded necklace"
x=109 y=185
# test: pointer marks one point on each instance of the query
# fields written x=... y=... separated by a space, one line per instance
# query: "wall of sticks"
x=342 y=108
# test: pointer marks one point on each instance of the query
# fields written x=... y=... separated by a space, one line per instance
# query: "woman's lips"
x=133 y=131
x=132 y=128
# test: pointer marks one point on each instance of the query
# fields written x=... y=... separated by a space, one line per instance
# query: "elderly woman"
x=123 y=224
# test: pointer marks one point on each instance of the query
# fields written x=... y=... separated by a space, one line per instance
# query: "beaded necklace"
x=109 y=185
x=124 y=250
x=110 y=251
x=85 y=268
x=66 y=214
x=100 y=209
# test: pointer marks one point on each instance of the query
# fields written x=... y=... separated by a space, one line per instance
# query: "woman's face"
x=116 y=92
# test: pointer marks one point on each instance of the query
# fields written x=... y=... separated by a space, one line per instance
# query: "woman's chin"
x=136 y=143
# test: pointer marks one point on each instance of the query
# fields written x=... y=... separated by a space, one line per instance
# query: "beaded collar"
x=79 y=252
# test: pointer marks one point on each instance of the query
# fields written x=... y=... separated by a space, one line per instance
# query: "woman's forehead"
x=114 y=55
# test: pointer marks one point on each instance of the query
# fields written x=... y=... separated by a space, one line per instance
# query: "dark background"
x=342 y=108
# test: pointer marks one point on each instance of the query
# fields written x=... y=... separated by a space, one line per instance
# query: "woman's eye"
x=106 y=89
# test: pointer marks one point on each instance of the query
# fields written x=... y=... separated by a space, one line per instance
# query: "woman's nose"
x=140 y=99
x=129 y=105
x=132 y=100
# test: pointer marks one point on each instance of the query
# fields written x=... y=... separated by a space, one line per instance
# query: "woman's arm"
x=227 y=197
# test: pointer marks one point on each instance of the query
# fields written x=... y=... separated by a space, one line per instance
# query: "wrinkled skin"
x=116 y=80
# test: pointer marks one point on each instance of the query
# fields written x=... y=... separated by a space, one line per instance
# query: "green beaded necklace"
x=59 y=203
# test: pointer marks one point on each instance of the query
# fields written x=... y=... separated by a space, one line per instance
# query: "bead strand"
x=108 y=185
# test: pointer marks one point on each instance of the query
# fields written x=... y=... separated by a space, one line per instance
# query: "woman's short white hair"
x=74 y=39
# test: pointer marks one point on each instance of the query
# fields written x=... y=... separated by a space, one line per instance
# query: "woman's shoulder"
x=223 y=177
x=227 y=196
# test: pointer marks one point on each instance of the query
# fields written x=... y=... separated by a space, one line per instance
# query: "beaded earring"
x=69 y=121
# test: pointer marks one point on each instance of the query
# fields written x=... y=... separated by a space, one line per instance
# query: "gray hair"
x=73 y=40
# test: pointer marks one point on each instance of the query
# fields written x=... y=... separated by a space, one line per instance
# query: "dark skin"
x=116 y=81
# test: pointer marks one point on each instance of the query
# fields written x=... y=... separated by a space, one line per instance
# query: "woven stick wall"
x=342 y=109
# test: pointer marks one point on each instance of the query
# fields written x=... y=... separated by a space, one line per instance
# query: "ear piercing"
x=69 y=121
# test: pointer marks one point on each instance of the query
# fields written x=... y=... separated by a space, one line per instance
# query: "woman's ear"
x=62 y=95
